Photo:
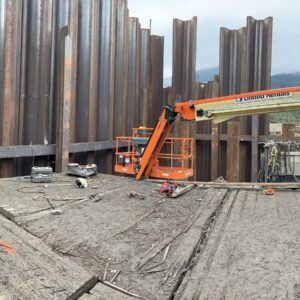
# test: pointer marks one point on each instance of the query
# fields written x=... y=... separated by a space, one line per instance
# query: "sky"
x=213 y=14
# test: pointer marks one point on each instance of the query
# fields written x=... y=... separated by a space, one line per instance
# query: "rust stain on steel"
x=233 y=151
x=93 y=75
x=73 y=29
x=10 y=57
x=215 y=142
x=63 y=108
x=208 y=153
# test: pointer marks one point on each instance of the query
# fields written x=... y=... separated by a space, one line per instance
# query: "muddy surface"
x=206 y=244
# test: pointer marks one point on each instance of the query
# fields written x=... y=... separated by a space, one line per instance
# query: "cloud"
x=213 y=14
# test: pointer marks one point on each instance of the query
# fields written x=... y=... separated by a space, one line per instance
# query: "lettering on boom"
x=264 y=97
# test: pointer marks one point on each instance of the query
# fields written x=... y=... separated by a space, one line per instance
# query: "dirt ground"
x=206 y=244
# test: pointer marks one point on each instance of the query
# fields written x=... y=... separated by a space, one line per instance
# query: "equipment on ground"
x=42 y=174
x=280 y=162
x=151 y=153
x=82 y=170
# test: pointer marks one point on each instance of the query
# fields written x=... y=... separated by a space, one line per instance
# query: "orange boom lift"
x=151 y=153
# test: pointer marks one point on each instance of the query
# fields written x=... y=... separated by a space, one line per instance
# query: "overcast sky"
x=213 y=14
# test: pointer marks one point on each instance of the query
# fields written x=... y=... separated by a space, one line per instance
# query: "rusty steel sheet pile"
x=245 y=65
x=96 y=58
x=116 y=70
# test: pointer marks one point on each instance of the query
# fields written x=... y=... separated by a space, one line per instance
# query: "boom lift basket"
x=175 y=160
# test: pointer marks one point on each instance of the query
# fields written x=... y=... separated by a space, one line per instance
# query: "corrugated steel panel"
x=156 y=97
x=121 y=68
x=245 y=65
x=83 y=70
x=184 y=58
x=35 y=80
x=133 y=82
x=145 y=78
x=93 y=75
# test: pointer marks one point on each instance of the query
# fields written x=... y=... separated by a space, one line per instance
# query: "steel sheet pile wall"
x=115 y=82
x=184 y=69
x=245 y=65
x=207 y=146
x=184 y=58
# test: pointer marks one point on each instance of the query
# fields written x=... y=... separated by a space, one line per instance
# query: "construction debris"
x=170 y=248
x=182 y=190
x=133 y=194
x=85 y=288
x=174 y=190
x=81 y=183
x=10 y=250
x=268 y=192
x=82 y=170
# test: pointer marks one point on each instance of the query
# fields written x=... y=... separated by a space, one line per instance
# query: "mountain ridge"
x=280 y=80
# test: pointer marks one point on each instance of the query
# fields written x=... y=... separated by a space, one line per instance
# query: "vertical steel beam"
x=233 y=151
x=133 y=80
x=184 y=58
x=121 y=68
x=184 y=67
x=2 y=60
x=63 y=107
x=215 y=143
x=93 y=76
x=106 y=76
x=145 y=101
x=73 y=25
x=259 y=51
x=10 y=61
x=156 y=77
x=36 y=82
x=83 y=70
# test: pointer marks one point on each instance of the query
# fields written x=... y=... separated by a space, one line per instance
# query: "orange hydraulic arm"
x=156 y=141
x=218 y=110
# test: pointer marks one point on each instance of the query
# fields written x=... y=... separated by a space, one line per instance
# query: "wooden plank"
x=275 y=185
x=33 y=270
x=182 y=190
x=85 y=288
